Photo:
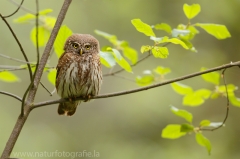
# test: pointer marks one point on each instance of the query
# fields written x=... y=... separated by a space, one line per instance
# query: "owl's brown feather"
x=68 y=108
x=78 y=75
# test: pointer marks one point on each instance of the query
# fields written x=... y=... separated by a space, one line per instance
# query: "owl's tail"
x=68 y=108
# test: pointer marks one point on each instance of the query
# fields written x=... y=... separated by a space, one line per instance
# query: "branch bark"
x=11 y=95
x=32 y=92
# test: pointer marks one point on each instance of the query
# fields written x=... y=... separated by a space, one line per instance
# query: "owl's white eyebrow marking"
x=86 y=44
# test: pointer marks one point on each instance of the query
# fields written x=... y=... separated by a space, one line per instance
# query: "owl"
x=79 y=72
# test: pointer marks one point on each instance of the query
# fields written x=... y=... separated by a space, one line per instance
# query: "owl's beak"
x=81 y=51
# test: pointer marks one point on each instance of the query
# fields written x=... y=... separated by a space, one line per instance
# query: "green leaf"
x=215 y=95
x=203 y=141
x=230 y=88
x=216 y=30
x=221 y=91
x=174 y=41
x=193 y=29
x=203 y=93
x=43 y=36
x=172 y=131
x=213 y=77
x=107 y=59
x=191 y=10
x=144 y=80
x=45 y=11
x=7 y=76
x=111 y=38
x=162 y=70
x=193 y=32
x=178 y=32
x=234 y=100
x=205 y=123
x=181 y=88
x=62 y=36
x=216 y=124
x=49 y=22
x=145 y=48
x=52 y=76
x=182 y=113
x=163 y=26
x=142 y=27
x=25 y=18
x=131 y=54
x=160 y=52
x=192 y=100
x=187 y=43
x=120 y=60
x=178 y=41
x=29 y=17
x=181 y=27
x=196 y=98
x=187 y=128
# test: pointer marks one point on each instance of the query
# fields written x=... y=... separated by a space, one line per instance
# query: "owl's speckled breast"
x=79 y=77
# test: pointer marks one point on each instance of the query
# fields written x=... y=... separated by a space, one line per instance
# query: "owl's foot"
x=87 y=98
x=72 y=99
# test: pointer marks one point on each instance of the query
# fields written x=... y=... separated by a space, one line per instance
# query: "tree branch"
x=19 y=44
x=31 y=95
x=48 y=48
x=11 y=95
x=15 y=10
x=40 y=104
x=227 y=110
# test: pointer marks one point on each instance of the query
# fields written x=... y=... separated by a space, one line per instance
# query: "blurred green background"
x=127 y=126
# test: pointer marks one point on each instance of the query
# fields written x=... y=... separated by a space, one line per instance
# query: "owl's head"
x=81 y=44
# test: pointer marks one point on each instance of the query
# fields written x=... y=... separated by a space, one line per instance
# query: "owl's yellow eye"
x=75 y=45
x=87 y=47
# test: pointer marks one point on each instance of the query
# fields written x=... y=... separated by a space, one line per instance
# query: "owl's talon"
x=87 y=98
x=72 y=99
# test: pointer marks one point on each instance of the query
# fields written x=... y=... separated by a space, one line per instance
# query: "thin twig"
x=122 y=77
x=37 y=47
x=139 y=61
x=19 y=44
x=228 y=104
x=22 y=7
x=17 y=68
x=13 y=69
x=37 y=38
x=46 y=88
x=14 y=11
x=24 y=98
x=11 y=95
x=9 y=67
x=53 y=91
x=14 y=59
x=142 y=88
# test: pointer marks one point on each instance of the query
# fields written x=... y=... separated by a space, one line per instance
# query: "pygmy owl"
x=79 y=72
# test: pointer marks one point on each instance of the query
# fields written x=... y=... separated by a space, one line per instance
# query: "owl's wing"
x=61 y=62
